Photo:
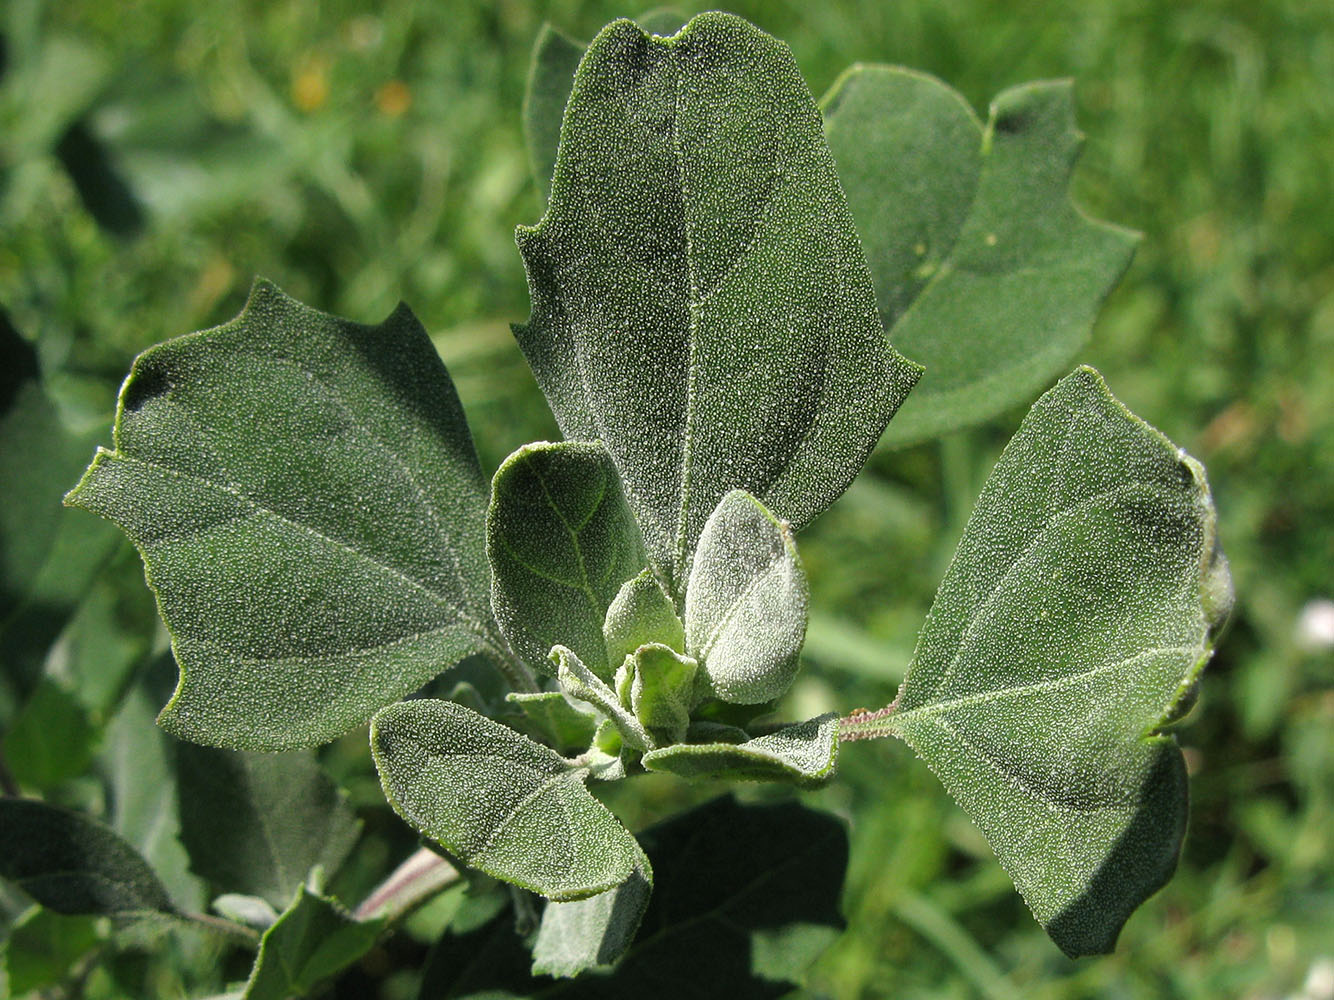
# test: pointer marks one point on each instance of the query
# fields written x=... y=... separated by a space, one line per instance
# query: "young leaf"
x=745 y=613
x=662 y=691
x=258 y=823
x=701 y=303
x=561 y=541
x=1070 y=628
x=804 y=754
x=597 y=931
x=498 y=801
x=555 y=58
x=567 y=727
x=641 y=612
x=580 y=682
x=73 y=864
x=985 y=271
x=313 y=939
x=307 y=500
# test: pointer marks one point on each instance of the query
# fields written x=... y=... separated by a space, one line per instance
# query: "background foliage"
x=154 y=156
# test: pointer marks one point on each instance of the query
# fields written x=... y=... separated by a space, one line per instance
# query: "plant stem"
x=420 y=877
x=227 y=927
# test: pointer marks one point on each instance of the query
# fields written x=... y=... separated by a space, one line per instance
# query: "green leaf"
x=565 y=726
x=1070 y=628
x=307 y=500
x=313 y=939
x=804 y=754
x=550 y=74
x=258 y=823
x=641 y=612
x=985 y=271
x=498 y=801
x=41 y=949
x=701 y=303
x=72 y=864
x=580 y=682
x=52 y=739
x=561 y=541
x=662 y=691
x=743 y=894
x=597 y=931
x=745 y=612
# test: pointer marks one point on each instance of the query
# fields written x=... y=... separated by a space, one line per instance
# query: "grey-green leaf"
x=498 y=801
x=592 y=932
x=258 y=823
x=73 y=864
x=561 y=541
x=579 y=682
x=314 y=939
x=745 y=613
x=641 y=612
x=1070 y=628
x=308 y=503
x=662 y=690
x=805 y=754
x=985 y=271
x=565 y=727
x=701 y=303
x=550 y=75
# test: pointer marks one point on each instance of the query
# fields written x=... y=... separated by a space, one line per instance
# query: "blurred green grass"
x=358 y=158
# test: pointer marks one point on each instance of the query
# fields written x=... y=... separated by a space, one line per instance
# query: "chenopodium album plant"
x=321 y=540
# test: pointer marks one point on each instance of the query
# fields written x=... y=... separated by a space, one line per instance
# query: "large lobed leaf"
x=985 y=271
x=497 y=801
x=307 y=500
x=701 y=303
x=1070 y=628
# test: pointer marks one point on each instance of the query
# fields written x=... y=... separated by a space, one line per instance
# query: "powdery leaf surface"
x=307 y=500
x=701 y=303
x=804 y=754
x=985 y=271
x=1070 y=628
x=592 y=932
x=497 y=801
x=561 y=541
x=745 y=613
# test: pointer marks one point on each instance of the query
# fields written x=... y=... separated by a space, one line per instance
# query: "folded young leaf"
x=985 y=271
x=258 y=823
x=745 y=613
x=804 y=754
x=313 y=939
x=592 y=932
x=497 y=801
x=71 y=863
x=561 y=541
x=662 y=690
x=307 y=500
x=642 y=612
x=701 y=303
x=565 y=726
x=579 y=682
x=1079 y=609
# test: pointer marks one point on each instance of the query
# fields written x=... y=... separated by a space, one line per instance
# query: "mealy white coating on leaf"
x=701 y=303
x=804 y=754
x=307 y=500
x=498 y=801
x=579 y=682
x=662 y=689
x=561 y=541
x=1071 y=626
x=745 y=612
x=592 y=932
x=641 y=612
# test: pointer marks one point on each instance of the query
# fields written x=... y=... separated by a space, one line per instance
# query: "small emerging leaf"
x=746 y=604
x=580 y=682
x=73 y=864
x=701 y=303
x=985 y=271
x=312 y=940
x=804 y=754
x=567 y=727
x=308 y=503
x=642 y=612
x=1070 y=628
x=561 y=541
x=662 y=691
x=498 y=801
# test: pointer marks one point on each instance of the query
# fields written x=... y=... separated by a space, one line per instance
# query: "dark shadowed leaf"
x=1071 y=627
x=307 y=500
